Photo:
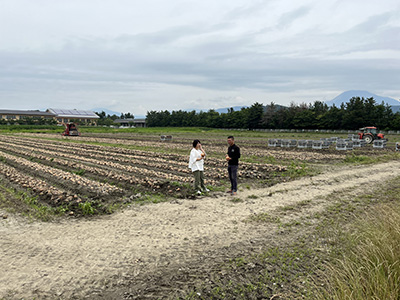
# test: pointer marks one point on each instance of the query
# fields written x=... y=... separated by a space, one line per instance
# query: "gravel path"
x=74 y=257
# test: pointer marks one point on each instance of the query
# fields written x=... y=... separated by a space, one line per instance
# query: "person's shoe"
x=229 y=192
x=234 y=193
x=198 y=193
x=206 y=190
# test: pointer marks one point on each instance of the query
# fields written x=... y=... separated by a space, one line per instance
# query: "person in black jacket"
x=232 y=157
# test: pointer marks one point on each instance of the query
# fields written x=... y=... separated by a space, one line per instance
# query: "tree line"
x=356 y=113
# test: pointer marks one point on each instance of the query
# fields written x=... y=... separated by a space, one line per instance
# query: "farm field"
x=95 y=172
x=146 y=228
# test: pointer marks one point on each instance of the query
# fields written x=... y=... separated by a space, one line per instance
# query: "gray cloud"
x=291 y=17
x=253 y=51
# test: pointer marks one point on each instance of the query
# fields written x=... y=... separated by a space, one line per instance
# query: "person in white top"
x=196 y=164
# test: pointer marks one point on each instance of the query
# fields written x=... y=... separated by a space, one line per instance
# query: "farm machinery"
x=71 y=130
x=369 y=134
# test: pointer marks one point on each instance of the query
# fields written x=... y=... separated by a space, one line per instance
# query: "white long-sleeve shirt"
x=194 y=164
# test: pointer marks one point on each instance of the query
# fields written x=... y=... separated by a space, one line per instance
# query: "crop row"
x=101 y=153
x=68 y=160
x=150 y=181
x=147 y=159
x=42 y=189
x=261 y=151
x=147 y=178
x=249 y=149
x=60 y=176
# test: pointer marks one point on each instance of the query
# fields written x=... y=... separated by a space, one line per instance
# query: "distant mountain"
x=346 y=96
x=107 y=111
x=236 y=108
x=225 y=109
x=110 y=112
x=276 y=106
x=219 y=110
x=395 y=108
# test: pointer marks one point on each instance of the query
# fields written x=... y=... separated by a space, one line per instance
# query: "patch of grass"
x=218 y=188
x=79 y=172
x=263 y=218
x=236 y=200
x=359 y=159
x=295 y=206
x=152 y=198
x=298 y=169
x=303 y=203
x=288 y=207
x=291 y=224
x=34 y=159
x=252 y=197
x=355 y=159
x=86 y=208
x=268 y=159
x=111 y=208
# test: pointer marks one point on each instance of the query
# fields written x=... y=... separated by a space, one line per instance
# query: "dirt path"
x=71 y=258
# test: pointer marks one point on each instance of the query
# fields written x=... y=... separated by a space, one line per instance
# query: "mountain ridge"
x=347 y=95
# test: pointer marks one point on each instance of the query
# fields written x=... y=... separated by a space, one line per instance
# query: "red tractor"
x=71 y=130
x=369 y=134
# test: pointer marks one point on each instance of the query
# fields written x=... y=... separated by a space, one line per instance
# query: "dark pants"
x=232 y=171
x=199 y=180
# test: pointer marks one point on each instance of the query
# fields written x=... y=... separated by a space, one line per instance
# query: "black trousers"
x=232 y=171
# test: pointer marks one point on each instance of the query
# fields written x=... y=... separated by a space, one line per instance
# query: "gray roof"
x=26 y=112
x=123 y=120
x=118 y=121
x=73 y=113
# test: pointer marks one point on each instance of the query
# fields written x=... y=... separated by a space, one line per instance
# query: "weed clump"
x=370 y=269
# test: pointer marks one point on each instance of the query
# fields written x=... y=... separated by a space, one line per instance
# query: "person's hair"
x=195 y=142
x=231 y=137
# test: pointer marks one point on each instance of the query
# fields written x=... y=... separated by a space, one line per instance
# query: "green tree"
x=212 y=119
x=354 y=117
x=254 y=116
x=304 y=119
x=268 y=119
x=332 y=119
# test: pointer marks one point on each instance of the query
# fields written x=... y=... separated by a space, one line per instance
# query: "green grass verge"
x=355 y=159
x=369 y=267
x=31 y=128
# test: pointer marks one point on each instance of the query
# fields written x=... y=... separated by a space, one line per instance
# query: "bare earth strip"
x=73 y=258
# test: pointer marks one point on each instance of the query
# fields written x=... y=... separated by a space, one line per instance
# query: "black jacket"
x=234 y=153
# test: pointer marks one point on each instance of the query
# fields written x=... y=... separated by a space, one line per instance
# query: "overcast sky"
x=137 y=56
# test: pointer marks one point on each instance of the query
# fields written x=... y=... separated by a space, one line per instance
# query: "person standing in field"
x=232 y=157
x=196 y=164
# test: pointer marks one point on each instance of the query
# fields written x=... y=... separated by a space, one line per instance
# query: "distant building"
x=140 y=122
x=65 y=116
x=14 y=115
x=124 y=122
x=131 y=122
x=74 y=115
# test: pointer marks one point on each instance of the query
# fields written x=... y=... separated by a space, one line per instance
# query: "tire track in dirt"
x=74 y=257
